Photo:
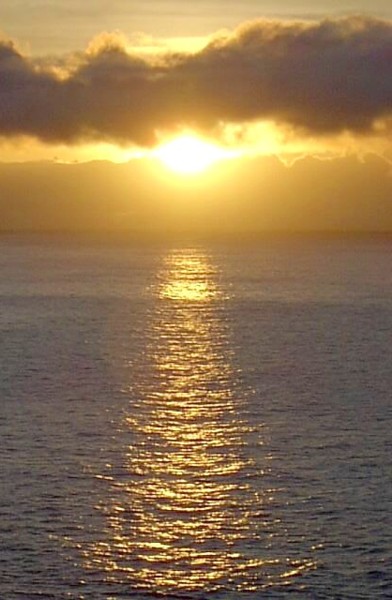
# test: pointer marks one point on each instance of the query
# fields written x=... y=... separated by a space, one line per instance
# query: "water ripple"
x=189 y=512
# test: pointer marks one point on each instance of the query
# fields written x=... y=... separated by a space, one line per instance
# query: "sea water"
x=195 y=420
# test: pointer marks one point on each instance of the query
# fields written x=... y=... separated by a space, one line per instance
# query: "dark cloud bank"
x=324 y=78
x=254 y=195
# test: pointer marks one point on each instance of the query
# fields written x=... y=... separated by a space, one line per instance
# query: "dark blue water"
x=195 y=420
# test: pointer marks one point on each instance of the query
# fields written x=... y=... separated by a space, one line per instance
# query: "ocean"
x=195 y=420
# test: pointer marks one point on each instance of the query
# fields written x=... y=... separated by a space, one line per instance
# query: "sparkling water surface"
x=195 y=421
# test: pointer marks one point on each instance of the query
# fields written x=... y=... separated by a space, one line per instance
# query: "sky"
x=284 y=110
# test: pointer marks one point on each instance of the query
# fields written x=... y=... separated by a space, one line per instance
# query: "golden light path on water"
x=186 y=516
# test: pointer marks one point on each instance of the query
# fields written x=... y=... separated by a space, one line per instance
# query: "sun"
x=188 y=154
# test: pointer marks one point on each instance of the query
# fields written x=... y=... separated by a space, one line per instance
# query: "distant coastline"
x=190 y=236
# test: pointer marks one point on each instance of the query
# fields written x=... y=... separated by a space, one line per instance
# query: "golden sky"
x=57 y=26
x=163 y=84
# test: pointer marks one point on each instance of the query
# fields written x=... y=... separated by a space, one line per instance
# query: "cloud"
x=322 y=78
x=250 y=195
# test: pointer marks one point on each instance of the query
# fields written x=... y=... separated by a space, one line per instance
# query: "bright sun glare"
x=189 y=154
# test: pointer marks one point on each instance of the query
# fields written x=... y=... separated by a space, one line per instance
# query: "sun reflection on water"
x=188 y=277
x=184 y=513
